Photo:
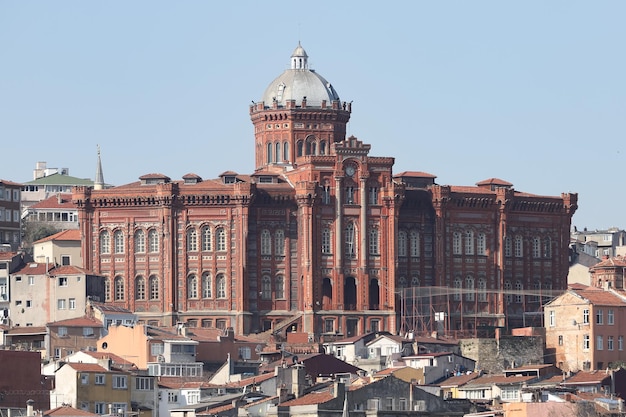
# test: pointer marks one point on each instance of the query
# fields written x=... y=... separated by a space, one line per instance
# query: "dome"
x=299 y=82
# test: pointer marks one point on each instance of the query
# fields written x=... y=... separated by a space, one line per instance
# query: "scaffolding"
x=463 y=313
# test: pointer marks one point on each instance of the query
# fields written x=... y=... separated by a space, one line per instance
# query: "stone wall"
x=495 y=355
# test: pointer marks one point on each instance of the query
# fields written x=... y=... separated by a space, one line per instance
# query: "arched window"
x=536 y=247
x=326 y=241
x=482 y=289
x=300 y=146
x=547 y=247
x=266 y=242
x=154 y=287
x=119 y=288
x=286 y=151
x=277 y=153
x=107 y=289
x=458 y=287
x=220 y=283
x=537 y=288
x=415 y=281
x=469 y=242
x=153 y=240
x=206 y=239
x=207 y=285
x=508 y=247
x=518 y=291
x=519 y=246
x=118 y=238
x=469 y=284
x=279 y=242
x=266 y=288
x=323 y=147
x=402 y=282
x=269 y=153
x=279 y=287
x=192 y=286
x=456 y=243
x=192 y=240
x=402 y=243
x=481 y=244
x=105 y=242
x=507 y=289
x=140 y=241
x=414 y=237
x=140 y=288
x=221 y=239
x=374 y=242
x=350 y=241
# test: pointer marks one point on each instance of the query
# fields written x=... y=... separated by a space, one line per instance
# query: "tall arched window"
x=206 y=239
x=269 y=153
x=415 y=281
x=192 y=240
x=118 y=238
x=508 y=247
x=140 y=241
x=458 y=288
x=350 y=240
x=286 y=151
x=374 y=242
x=192 y=286
x=402 y=282
x=326 y=241
x=323 y=147
x=119 y=288
x=266 y=288
x=221 y=239
x=277 y=153
x=140 y=288
x=547 y=247
x=402 y=243
x=105 y=242
x=482 y=289
x=207 y=285
x=107 y=289
x=220 y=283
x=456 y=243
x=153 y=240
x=279 y=242
x=266 y=242
x=469 y=284
x=481 y=244
x=300 y=147
x=414 y=237
x=536 y=247
x=154 y=287
x=469 y=242
x=519 y=246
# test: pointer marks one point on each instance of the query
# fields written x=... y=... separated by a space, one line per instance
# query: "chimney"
x=59 y=198
x=30 y=409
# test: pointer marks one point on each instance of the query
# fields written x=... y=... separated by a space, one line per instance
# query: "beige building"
x=585 y=328
x=61 y=248
x=42 y=293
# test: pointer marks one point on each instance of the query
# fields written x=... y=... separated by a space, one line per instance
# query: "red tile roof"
x=458 y=380
x=27 y=330
x=494 y=181
x=66 y=410
x=77 y=322
x=488 y=380
x=618 y=261
x=583 y=377
x=310 y=399
x=252 y=380
x=34 y=268
x=69 y=270
x=65 y=235
x=7 y=182
x=415 y=174
x=54 y=203
x=86 y=367
x=599 y=296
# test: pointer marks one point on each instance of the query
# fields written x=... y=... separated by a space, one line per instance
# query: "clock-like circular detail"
x=350 y=170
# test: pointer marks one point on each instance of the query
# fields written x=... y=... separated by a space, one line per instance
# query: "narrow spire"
x=98 y=184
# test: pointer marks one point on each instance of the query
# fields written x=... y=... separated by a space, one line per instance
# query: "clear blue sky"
x=531 y=92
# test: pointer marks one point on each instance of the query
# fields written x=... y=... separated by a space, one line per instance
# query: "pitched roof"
x=58 y=179
x=310 y=399
x=34 y=268
x=414 y=174
x=77 y=322
x=584 y=377
x=174 y=382
x=66 y=410
x=65 y=235
x=59 y=201
x=489 y=380
x=617 y=261
x=458 y=380
x=26 y=330
x=494 y=181
x=86 y=367
x=252 y=380
x=7 y=182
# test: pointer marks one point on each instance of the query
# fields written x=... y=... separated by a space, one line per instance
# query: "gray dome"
x=299 y=82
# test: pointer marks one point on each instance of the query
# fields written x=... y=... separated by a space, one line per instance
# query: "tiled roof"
x=494 y=181
x=489 y=380
x=34 y=268
x=66 y=410
x=415 y=174
x=310 y=399
x=458 y=380
x=599 y=296
x=618 y=261
x=252 y=380
x=219 y=409
x=117 y=360
x=26 y=330
x=77 y=322
x=68 y=270
x=54 y=203
x=173 y=382
x=7 y=182
x=86 y=367
x=71 y=234
x=583 y=377
x=7 y=256
x=108 y=308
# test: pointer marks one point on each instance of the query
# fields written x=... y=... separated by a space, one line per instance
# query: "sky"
x=531 y=92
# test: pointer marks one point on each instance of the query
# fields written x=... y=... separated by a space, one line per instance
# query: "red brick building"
x=321 y=237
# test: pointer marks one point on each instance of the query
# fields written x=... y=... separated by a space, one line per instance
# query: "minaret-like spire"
x=98 y=183
x=299 y=58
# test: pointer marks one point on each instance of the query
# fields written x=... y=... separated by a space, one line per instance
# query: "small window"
x=100 y=379
x=65 y=260
x=84 y=379
x=62 y=281
x=62 y=331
